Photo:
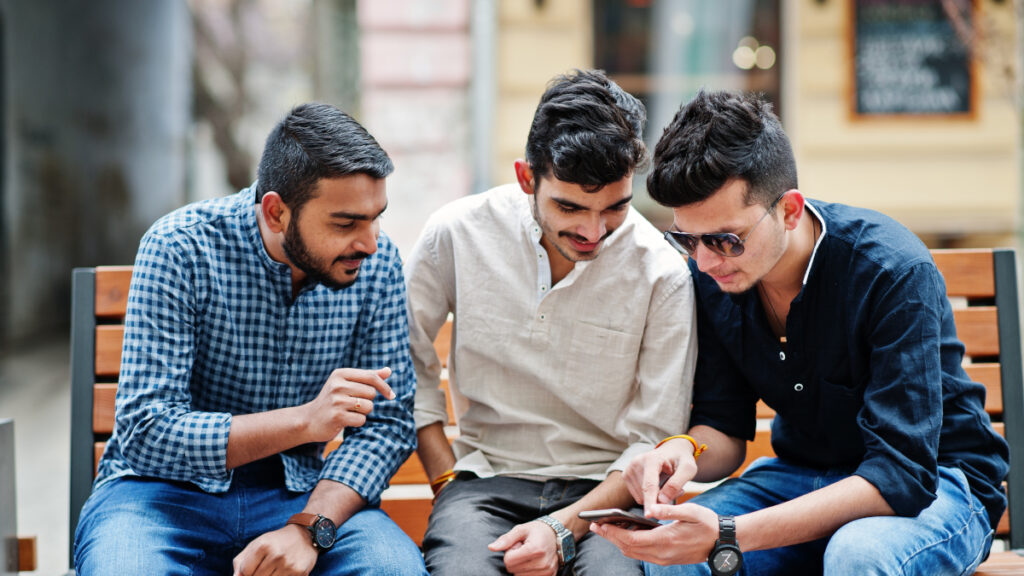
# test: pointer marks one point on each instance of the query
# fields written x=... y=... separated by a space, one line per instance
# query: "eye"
x=345 y=225
x=567 y=209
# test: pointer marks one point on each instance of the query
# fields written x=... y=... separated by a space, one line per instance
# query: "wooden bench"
x=982 y=284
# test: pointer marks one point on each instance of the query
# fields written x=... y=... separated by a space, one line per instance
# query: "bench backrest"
x=982 y=284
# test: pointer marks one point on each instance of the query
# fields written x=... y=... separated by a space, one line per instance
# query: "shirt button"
x=782 y=356
x=542 y=316
x=543 y=288
x=798 y=387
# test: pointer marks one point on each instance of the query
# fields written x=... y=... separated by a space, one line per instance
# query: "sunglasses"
x=722 y=243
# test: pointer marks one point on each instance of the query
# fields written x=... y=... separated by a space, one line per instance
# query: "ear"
x=524 y=174
x=275 y=212
x=792 y=207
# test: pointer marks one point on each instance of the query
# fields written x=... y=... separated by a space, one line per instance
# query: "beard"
x=315 y=269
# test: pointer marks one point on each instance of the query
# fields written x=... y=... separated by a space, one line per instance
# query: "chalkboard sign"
x=909 y=60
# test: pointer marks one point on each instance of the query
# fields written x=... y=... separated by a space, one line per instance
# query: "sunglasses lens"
x=728 y=245
x=682 y=242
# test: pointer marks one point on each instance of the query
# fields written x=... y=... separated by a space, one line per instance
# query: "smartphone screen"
x=619 y=517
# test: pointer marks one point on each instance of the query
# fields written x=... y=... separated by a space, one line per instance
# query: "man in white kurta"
x=573 y=344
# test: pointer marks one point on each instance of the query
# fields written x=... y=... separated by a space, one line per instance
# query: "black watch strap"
x=726 y=558
x=727 y=530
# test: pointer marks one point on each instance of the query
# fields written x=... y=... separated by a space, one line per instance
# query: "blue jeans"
x=144 y=526
x=472 y=512
x=951 y=536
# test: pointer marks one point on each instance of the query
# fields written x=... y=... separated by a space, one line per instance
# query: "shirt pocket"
x=601 y=370
x=839 y=407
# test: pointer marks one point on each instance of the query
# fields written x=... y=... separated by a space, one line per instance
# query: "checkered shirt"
x=212 y=331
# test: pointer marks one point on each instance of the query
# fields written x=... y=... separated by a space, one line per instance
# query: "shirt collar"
x=821 y=237
x=252 y=227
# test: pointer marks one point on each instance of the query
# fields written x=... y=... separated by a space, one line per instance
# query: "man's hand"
x=287 y=551
x=345 y=400
x=688 y=540
x=643 y=475
x=530 y=549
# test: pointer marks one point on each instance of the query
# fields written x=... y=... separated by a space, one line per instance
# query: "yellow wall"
x=955 y=179
x=534 y=44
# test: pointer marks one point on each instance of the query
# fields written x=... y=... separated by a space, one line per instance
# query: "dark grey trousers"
x=472 y=512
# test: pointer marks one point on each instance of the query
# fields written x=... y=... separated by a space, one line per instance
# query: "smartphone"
x=619 y=517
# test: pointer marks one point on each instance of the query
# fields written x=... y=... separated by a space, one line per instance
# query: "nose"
x=367 y=240
x=594 y=228
x=705 y=258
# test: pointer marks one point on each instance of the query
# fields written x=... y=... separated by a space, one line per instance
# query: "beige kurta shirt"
x=571 y=380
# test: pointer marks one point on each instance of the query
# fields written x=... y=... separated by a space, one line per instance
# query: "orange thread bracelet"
x=698 y=449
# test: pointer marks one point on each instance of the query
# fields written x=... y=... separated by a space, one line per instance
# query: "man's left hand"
x=688 y=540
x=287 y=551
x=530 y=549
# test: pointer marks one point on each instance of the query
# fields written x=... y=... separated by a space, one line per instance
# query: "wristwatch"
x=321 y=529
x=725 y=558
x=566 y=543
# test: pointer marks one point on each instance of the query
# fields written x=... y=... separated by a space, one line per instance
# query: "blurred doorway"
x=663 y=51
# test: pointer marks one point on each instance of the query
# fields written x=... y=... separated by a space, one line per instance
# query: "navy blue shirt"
x=870 y=378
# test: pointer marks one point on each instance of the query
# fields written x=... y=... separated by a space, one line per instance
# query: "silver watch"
x=566 y=542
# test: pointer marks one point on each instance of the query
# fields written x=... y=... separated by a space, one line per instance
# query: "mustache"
x=352 y=256
x=583 y=240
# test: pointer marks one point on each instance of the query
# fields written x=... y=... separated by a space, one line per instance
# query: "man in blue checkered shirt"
x=259 y=327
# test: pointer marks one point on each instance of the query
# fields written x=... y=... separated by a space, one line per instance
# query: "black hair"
x=716 y=137
x=316 y=141
x=587 y=131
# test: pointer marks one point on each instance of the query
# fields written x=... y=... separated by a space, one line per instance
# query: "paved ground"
x=35 y=391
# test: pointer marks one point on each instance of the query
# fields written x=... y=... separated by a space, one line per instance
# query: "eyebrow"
x=575 y=206
x=356 y=215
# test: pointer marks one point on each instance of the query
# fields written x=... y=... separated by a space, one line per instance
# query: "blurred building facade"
x=118 y=111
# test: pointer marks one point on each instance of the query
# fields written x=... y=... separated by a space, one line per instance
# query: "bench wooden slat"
x=108 y=350
x=103 y=396
x=443 y=342
x=411 y=472
x=990 y=375
x=1002 y=564
x=410 y=514
x=968 y=273
x=26 y=550
x=97 y=452
x=978 y=329
x=112 y=291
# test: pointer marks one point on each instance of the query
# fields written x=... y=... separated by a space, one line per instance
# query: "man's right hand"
x=344 y=401
x=643 y=475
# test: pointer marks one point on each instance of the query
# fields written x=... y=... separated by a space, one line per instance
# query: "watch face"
x=726 y=561
x=324 y=533
x=568 y=546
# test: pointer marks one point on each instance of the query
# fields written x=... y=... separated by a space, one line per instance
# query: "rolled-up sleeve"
x=902 y=414
x=160 y=434
x=431 y=299
x=665 y=368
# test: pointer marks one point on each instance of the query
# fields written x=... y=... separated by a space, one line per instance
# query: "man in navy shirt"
x=837 y=318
